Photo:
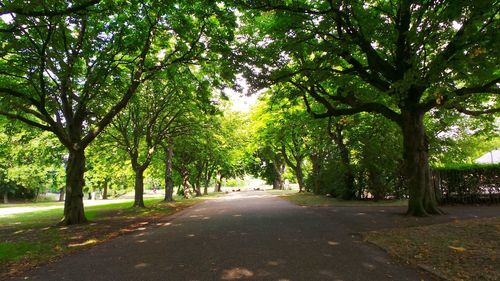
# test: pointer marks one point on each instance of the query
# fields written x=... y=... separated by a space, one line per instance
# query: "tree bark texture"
x=337 y=136
x=316 y=170
x=422 y=199
x=73 y=203
x=300 y=177
x=139 y=189
x=208 y=176
x=218 y=182
x=185 y=183
x=105 y=191
x=169 y=182
x=61 y=195
x=279 y=169
x=296 y=167
x=197 y=182
x=6 y=197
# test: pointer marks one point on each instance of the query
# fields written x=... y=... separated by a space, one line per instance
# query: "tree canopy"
x=357 y=99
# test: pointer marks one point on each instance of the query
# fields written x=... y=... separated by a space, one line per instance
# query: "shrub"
x=468 y=183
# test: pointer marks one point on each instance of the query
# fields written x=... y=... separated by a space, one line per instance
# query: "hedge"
x=468 y=184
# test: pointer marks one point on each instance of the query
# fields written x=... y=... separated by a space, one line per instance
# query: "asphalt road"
x=242 y=236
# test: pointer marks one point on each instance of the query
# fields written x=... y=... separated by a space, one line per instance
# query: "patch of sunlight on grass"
x=86 y=243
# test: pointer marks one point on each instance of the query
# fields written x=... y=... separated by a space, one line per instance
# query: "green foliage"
x=31 y=161
x=468 y=183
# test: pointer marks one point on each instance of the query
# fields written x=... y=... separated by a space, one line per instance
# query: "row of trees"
x=143 y=76
x=351 y=157
x=403 y=60
x=70 y=69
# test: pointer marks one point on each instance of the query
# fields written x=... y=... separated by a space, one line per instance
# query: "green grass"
x=52 y=216
x=32 y=238
x=14 y=251
x=309 y=199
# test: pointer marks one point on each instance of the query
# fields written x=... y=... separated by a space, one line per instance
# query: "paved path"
x=242 y=236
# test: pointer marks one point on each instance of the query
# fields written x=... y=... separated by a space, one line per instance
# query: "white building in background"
x=491 y=157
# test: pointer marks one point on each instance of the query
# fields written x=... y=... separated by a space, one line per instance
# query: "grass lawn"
x=462 y=250
x=33 y=238
x=310 y=199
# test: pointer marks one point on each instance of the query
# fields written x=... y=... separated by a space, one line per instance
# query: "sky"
x=240 y=100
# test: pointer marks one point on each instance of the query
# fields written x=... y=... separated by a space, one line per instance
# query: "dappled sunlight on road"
x=141 y=265
x=236 y=273
x=333 y=243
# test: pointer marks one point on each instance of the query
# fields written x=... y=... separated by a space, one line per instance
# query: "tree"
x=336 y=130
x=30 y=162
x=71 y=74
x=400 y=59
x=12 y=9
x=142 y=126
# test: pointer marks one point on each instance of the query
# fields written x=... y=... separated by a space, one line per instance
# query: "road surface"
x=248 y=235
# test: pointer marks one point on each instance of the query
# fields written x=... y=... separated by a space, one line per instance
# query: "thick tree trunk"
x=61 y=195
x=105 y=191
x=375 y=184
x=338 y=138
x=297 y=167
x=6 y=197
x=208 y=176
x=197 y=184
x=299 y=174
x=422 y=199
x=169 y=182
x=139 y=189
x=316 y=170
x=218 y=182
x=73 y=203
x=185 y=183
x=279 y=169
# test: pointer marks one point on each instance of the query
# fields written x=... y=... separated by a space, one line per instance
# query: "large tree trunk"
x=297 y=167
x=299 y=174
x=169 y=182
x=139 y=189
x=61 y=195
x=185 y=183
x=218 y=182
x=337 y=136
x=6 y=197
x=197 y=182
x=316 y=170
x=105 y=191
x=208 y=176
x=73 y=203
x=422 y=199
x=279 y=169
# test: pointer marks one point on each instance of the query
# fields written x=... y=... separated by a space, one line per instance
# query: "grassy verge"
x=462 y=250
x=309 y=199
x=31 y=239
